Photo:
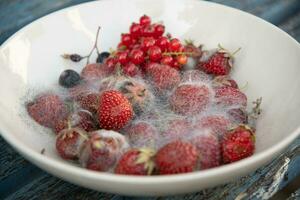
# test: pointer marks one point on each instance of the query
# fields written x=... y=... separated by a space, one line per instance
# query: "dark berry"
x=102 y=56
x=69 y=78
x=75 y=57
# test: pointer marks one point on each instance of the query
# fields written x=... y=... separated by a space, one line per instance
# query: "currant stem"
x=176 y=53
x=94 y=47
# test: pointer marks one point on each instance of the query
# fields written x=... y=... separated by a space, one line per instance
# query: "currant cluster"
x=145 y=44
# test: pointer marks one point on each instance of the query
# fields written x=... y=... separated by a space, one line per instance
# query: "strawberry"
x=82 y=119
x=195 y=76
x=93 y=71
x=176 y=157
x=136 y=162
x=177 y=128
x=164 y=77
x=47 y=109
x=131 y=69
x=238 y=144
x=68 y=142
x=190 y=99
x=208 y=147
x=238 y=115
x=89 y=101
x=218 y=124
x=219 y=63
x=196 y=52
x=137 y=93
x=101 y=151
x=114 y=110
x=141 y=134
x=229 y=96
x=220 y=81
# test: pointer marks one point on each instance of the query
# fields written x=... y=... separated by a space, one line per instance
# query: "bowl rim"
x=37 y=157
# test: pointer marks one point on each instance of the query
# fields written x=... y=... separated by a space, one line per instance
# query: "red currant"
x=137 y=56
x=126 y=39
x=167 y=60
x=147 y=43
x=182 y=59
x=174 y=45
x=110 y=64
x=122 y=57
x=162 y=43
x=135 y=30
x=159 y=30
x=176 y=65
x=121 y=46
x=148 y=31
x=154 y=53
x=145 y=20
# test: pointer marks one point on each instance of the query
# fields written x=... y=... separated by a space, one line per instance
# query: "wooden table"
x=21 y=180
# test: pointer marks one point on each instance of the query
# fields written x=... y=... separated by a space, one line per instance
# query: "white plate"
x=269 y=61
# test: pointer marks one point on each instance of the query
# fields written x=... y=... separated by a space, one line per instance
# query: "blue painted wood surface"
x=21 y=180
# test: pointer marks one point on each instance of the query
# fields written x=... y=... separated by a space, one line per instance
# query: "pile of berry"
x=153 y=106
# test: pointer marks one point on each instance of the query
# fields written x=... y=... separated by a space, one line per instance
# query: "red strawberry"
x=238 y=115
x=82 y=119
x=68 y=142
x=229 y=96
x=218 y=124
x=220 y=81
x=178 y=128
x=195 y=76
x=136 y=162
x=94 y=71
x=164 y=77
x=191 y=48
x=101 y=151
x=114 y=110
x=209 y=150
x=131 y=69
x=237 y=144
x=137 y=93
x=176 y=157
x=141 y=134
x=190 y=99
x=47 y=109
x=89 y=101
x=219 y=63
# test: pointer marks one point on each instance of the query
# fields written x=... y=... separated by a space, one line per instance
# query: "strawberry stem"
x=228 y=52
x=244 y=86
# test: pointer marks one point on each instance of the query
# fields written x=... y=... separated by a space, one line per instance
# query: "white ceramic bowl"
x=269 y=61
